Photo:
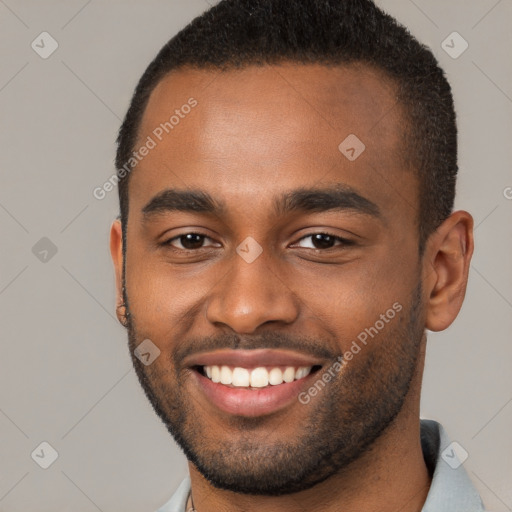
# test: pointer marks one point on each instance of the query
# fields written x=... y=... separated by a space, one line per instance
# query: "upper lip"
x=252 y=358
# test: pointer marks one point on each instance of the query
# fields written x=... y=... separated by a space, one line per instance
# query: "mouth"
x=252 y=382
x=255 y=377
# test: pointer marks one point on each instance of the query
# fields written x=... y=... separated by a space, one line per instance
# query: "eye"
x=321 y=241
x=188 y=241
x=318 y=241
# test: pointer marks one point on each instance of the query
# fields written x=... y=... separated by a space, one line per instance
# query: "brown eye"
x=324 y=241
x=187 y=241
x=191 y=240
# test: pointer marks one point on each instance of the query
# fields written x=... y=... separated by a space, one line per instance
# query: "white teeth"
x=289 y=374
x=240 y=377
x=215 y=373
x=275 y=376
x=302 y=372
x=257 y=377
x=226 y=376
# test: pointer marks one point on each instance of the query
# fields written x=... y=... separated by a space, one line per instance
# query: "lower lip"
x=251 y=402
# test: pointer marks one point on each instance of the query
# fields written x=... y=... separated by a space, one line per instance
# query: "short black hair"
x=239 y=33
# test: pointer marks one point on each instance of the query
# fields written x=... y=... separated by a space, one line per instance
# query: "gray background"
x=65 y=374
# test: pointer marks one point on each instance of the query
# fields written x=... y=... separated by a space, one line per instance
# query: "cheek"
x=163 y=300
x=354 y=303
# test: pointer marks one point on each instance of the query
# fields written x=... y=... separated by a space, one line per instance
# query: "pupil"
x=322 y=241
x=192 y=240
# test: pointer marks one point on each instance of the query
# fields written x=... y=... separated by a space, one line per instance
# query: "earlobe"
x=121 y=314
x=116 y=252
x=447 y=260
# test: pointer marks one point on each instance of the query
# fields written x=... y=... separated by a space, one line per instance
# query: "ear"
x=445 y=271
x=116 y=251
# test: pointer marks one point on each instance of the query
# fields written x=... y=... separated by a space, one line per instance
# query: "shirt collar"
x=451 y=489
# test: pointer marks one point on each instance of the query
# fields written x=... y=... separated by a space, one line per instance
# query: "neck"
x=390 y=476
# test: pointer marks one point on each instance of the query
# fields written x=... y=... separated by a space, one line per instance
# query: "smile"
x=252 y=382
x=258 y=377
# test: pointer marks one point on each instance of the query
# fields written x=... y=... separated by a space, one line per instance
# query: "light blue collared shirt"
x=451 y=489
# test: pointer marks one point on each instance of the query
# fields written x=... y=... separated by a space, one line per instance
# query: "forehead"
x=265 y=128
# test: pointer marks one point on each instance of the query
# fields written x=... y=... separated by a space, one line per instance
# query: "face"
x=254 y=243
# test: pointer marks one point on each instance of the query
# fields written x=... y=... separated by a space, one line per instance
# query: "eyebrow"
x=315 y=200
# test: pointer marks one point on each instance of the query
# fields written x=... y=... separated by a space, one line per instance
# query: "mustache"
x=272 y=340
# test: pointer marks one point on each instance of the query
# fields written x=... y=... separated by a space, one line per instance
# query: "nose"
x=252 y=294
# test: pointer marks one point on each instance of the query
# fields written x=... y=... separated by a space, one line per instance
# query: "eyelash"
x=343 y=241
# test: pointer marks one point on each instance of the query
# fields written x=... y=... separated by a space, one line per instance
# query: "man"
x=286 y=181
